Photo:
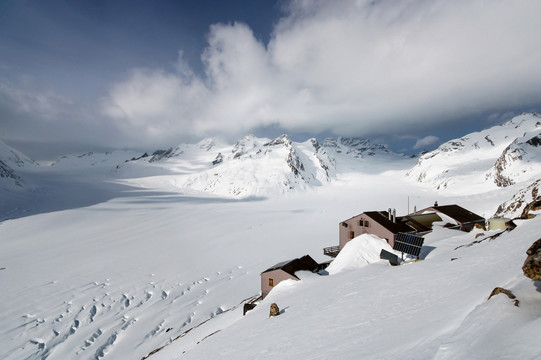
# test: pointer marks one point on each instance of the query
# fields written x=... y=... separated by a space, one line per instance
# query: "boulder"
x=532 y=264
x=509 y=294
x=274 y=310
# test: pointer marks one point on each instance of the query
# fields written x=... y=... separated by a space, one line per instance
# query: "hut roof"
x=292 y=266
x=382 y=218
x=457 y=213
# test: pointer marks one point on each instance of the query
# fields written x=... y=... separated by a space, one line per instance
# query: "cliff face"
x=522 y=203
x=519 y=161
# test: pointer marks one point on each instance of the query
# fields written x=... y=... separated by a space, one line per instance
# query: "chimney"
x=435 y=203
x=415 y=210
x=394 y=215
x=389 y=214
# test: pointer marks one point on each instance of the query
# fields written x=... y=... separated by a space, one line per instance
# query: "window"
x=271 y=282
x=351 y=234
x=366 y=223
x=363 y=223
x=344 y=224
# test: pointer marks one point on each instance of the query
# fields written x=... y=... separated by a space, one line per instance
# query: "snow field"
x=93 y=279
x=99 y=260
x=436 y=308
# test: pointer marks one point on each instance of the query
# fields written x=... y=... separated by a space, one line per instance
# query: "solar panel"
x=408 y=243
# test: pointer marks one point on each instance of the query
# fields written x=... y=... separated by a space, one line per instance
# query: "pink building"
x=285 y=270
x=383 y=224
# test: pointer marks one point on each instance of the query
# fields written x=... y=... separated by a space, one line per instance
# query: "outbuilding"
x=465 y=219
x=285 y=270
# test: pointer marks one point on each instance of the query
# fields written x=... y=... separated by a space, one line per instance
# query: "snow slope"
x=119 y=255
x=433 y=309
x=111 y=279
x=498 y=156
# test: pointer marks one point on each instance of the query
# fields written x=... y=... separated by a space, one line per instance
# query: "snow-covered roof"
x=292 y=266
x=456 y=212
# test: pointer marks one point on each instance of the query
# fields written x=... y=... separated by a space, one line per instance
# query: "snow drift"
x=359 y=252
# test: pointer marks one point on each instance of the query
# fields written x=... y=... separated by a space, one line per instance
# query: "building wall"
x=277 y=275
x=354 y=225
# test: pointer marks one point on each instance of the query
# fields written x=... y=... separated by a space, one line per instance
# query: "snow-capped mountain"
x=498 y=156
x=254 y=166
x=11 y=161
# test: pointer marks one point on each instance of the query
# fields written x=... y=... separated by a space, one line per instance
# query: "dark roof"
x=421 y=222
x=382 y=218
x=458 y=213
x=292 y=266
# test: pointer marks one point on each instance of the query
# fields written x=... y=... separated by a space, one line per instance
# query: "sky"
x=81 y=76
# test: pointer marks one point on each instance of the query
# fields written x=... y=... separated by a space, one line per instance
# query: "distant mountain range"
x=500 y=156
x=257 y=166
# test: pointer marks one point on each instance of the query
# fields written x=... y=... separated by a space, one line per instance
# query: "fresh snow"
x=359 y=252
x=114 y=256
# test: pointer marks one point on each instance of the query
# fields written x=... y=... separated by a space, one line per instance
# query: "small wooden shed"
x=285 y=270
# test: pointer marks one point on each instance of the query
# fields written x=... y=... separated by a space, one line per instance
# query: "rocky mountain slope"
x=11 y=161
x=523 y=202
x=495 y=157
x=520 y=161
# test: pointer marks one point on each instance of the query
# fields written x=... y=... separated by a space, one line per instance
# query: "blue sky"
x=91 y=75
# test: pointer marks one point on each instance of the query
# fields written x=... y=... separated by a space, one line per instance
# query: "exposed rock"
x=522 y=203
x=219 y=158
x=8 y=172
x=160 y=154
x=282 y=139
x=517 y=160
x=509 y=294
x=532 y=264
x=274 y=310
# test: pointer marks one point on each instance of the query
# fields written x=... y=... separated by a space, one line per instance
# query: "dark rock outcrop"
x=523 y=202
x=532 y=264
x=509 y=294
x=274 y=310
x=219 y=159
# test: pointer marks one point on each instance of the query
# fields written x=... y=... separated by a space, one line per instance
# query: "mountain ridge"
x=504 y=154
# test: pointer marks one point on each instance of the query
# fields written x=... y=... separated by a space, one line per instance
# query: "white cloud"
x=427 y=140
x=348 y=67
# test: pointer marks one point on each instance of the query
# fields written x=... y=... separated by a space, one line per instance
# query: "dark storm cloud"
x=365 y=68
